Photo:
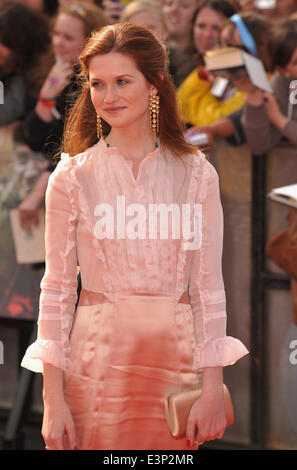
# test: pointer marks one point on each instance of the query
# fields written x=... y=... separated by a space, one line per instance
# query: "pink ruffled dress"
x=131 y=341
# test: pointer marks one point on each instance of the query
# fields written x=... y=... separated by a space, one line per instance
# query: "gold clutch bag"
x=178 y=406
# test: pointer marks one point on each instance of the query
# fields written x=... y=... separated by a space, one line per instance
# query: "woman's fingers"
x=53 y=443
x=28 y=218
x=190 y=431
x=211 y=436
x=71 y=436
x=220 y=434
x=25 y=220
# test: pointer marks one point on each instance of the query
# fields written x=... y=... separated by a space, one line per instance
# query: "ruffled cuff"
x=219 y=352
x=48 y=351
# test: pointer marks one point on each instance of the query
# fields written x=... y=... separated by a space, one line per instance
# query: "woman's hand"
x=55 y=82
x=28 y=208
x=28 y=212
x=254 y=96
x=58 y=424
x=208 y=417
x=273 y=111
x=58 y=77
x=28 y=215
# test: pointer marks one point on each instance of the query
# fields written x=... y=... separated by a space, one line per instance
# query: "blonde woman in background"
x=149 y=13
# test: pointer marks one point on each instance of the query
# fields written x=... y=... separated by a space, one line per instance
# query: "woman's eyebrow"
x=118 y=76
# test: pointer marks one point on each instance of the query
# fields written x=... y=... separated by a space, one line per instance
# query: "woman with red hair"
x=151 y=314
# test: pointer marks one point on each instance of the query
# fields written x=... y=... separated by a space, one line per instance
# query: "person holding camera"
x=250 y=32
x=270 y=117
x=199 y=102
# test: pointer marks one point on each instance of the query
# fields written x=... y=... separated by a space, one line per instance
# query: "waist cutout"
x=88 y=297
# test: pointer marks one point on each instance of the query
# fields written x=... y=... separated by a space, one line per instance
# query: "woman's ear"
x=161 y=75
x=153 y=91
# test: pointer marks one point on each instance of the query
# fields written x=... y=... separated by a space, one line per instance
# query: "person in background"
x=113 y=10
x=247 y=5
x=198 y=105
x=146 y=13
x=252 y=33
x=270 y=117
x=273 y=9
x=21 y=61
x=179 y=16
x=281 y=9
x=48 y=7
x=150 y=14
x=42 y=129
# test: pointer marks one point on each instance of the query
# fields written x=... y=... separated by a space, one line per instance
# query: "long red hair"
x=151 y=59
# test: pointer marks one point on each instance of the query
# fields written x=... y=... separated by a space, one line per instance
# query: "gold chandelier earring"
x=99 y=128
x=154 y=108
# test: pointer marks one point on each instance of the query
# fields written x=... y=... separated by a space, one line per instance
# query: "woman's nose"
x=57 y=41
x=174 y=6
x=110 y=95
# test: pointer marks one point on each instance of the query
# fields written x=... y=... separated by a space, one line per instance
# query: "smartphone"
x=219 y=86
x=197 y=138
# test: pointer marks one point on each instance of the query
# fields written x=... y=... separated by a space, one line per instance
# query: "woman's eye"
x=96 y=84
x=121 y=81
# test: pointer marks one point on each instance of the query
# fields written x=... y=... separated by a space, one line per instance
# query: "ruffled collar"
x=112 y=150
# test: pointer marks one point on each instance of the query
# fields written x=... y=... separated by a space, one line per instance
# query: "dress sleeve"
x=59 y=284
x=206 y=287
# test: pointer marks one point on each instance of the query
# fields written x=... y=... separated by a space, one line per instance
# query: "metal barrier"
x=263 y=384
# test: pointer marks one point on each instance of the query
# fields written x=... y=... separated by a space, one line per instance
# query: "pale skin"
x=120 y=95
x=207 y=27
x=151 y=20
x=178 y=16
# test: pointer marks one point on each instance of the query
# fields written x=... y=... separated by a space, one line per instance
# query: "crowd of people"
x=40 y=42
